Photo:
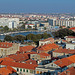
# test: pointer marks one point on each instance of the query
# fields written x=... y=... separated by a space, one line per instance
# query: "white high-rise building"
x=9 y=22
x=12 y=25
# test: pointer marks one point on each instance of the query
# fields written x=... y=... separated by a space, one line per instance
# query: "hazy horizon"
x=37 y=6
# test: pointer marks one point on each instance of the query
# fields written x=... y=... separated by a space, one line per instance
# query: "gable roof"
x=18 y=65
x=48 y=39
x=26 y=48
x=69 y=51
x=19 y=57
x=7 y=70
x=65 y=61
x=30 y=61
x=48 y=47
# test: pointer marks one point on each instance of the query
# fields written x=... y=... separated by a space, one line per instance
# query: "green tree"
x=8 y=38
x=45 y=35
x=64 y=32
x=20 y=38
x=39 y=36
x=6 y=28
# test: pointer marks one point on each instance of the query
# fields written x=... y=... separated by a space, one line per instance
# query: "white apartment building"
x=66 y=23
x=70 y=46
x=10 y=22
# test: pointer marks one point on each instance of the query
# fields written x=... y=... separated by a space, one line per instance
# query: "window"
x=27 y=71
x=23 y=70
x=20 y=69
x=31 y=71
x=17 y=69
x=51 y=64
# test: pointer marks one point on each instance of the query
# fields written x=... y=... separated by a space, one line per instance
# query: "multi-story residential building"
x=30 y=26
x=57 y=66
x=46 y=24
x=7 y=71
x=63 y=53
x=64 y=22
x=52 y=22
x=70 y=46
x=69 y=38
x=40 y=56
x=21 y=68
x=8 y=48
x=26 y=49
x=10 y=22
x=47 y=48
x=46 y=41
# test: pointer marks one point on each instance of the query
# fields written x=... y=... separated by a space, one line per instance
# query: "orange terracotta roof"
x=26 y=48
x=70 y=71
x=73 y=28
x=65 y=61
x=48 y=47
x=48 y=39
x=19 y=65
x=19 y=57
x=30 y=61
x=5 y=45
x=7 y=70
x=70 y=37
x=6 y=59
x=69 y=51
x=44 y=54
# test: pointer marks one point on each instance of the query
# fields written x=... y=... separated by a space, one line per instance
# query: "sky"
x=37 y=6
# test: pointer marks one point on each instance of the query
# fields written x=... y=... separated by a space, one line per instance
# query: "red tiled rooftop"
x=6 y=70
x=26 y=48
x=65 y=51
x=65 y=61
x=5 y=45
x=73 y=28
x=19 y=65
x=44 y=54
x=30 y=61
x=70 y=37
x=6 y=59
x=19 y=57
x=49 y=39
x=48 y=47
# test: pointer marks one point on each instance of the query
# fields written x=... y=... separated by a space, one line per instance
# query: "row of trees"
x=64 y=32
x=32 y=37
